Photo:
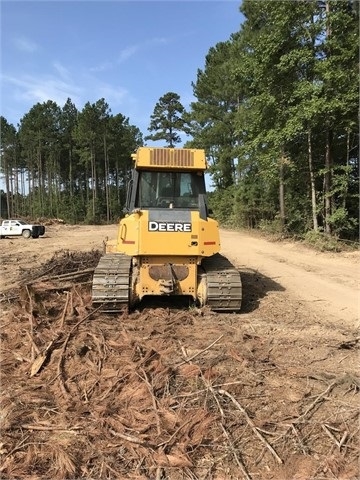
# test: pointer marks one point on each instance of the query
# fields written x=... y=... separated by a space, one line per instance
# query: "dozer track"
x=111 y=283
x=110 y=289
x=224 y=290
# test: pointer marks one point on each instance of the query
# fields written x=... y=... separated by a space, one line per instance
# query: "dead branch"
x=31 y=320
x=317 y=400
x=49 y=428
x=159 y=473
x=83 y=319
x=19 y=446
x=63 y=276
x=62 y=352
x=233 y=450
x=343 y=439
x=41 y=358
x=252 y=425
x=174 y=434
x=207 y=384
x=60 y=367
x=220 y=385
x=333 y=438
x=303 y=449
x=201 y=351
x=153 y=399
x=131 y=438
x=34 y=346
x=106 y=393
x=65 y=286
x=62 y=318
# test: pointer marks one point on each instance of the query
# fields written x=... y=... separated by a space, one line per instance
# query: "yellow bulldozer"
x=167 y=245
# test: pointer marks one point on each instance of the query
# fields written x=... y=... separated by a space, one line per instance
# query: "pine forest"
x=276 y=109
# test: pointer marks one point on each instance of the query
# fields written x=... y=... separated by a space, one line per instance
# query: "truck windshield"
x=169 y=189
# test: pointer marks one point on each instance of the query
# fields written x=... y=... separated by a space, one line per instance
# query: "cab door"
x=5 y=228
x=15 y=227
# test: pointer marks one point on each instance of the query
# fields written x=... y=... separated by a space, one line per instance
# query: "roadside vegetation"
x=276 y=109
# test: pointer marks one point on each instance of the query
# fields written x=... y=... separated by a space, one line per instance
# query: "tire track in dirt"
x=327 y=283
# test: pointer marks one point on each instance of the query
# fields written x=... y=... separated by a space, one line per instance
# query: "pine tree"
x=167 y=120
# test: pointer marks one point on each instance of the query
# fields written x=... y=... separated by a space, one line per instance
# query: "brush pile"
x=167 y=393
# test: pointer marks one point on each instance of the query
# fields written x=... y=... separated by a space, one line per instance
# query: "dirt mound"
x=170 y=393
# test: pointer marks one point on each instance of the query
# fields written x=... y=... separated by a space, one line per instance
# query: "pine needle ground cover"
x=170 y=393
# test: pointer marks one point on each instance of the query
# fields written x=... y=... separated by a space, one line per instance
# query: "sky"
x=130 y=53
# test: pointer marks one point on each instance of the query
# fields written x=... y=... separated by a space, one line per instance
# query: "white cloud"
x=41 y=89
x=112 y=95
x=131 y=50
x=28 y=90
x=102 y=67
x=159 y=41
x=25 y=44
x=127 y=53
x=63 y=71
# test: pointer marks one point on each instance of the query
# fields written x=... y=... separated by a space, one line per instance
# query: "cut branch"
x=252 y=425
x=201 y=351
x=317 y=400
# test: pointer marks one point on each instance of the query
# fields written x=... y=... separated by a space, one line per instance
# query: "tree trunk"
x=327 y=176
x=312 y=183
x=106 y=179
x=41 y=180
x=347 y=173
x=7 y=185
x=93 y=176
x=282 y=192
x=70 y=173
x=327 y=182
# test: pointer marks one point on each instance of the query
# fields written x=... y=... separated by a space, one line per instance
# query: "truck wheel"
x=26 y=233
x=35 y=236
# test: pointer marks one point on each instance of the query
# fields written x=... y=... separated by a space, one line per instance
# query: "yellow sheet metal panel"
x=128 y=235
x=168 y=233
x=170 y=158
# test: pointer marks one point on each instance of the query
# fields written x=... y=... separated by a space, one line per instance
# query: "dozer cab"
x=167 y=245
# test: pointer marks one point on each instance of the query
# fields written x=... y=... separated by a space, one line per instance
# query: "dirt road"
x=270 y=393
x=327 y=283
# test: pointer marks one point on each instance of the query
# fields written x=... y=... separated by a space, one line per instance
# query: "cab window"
x=169 y=189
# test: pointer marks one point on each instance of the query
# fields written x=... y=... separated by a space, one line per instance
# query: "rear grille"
x=171 y=158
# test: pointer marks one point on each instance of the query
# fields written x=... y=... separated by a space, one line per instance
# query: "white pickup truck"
x=11 y=228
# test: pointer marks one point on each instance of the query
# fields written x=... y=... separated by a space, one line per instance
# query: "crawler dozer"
x=167 y=245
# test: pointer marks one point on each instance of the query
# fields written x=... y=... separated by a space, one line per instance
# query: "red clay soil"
x=168 y=392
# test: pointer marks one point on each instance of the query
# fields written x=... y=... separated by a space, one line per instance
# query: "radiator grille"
x=172 y=158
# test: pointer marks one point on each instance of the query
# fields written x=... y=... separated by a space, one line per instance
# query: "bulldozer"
x=167 y=244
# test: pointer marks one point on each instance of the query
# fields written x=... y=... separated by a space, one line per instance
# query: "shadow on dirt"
x=255 y=287
x=172 y=303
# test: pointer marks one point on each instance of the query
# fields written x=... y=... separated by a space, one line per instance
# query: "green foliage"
x=94 y=212
x=76 y=164
x=211 y=120
x=276 y=109
x=322 y=242
x=341 y=222
x=272 y=227
x=167 y=119
x=222 y=204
